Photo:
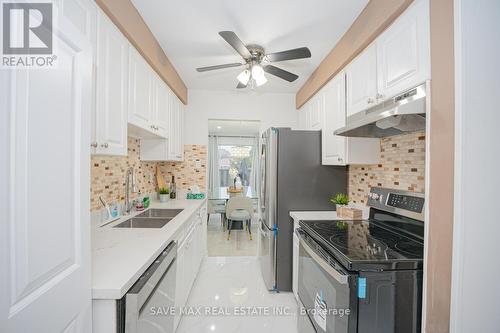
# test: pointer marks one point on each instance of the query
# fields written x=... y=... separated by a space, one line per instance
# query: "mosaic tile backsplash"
x=108 y=173
x=402 y=167
x=192 y=171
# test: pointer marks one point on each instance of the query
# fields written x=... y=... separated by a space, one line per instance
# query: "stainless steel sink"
x=143 y=222
x=156 y=213
x=151 y=218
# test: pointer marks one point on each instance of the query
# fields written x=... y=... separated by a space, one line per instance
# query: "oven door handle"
x=341 y=278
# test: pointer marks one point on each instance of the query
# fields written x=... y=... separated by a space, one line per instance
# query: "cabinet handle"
x=105 y=145
x=370 y=100
x=380 y=96
x=93 y=145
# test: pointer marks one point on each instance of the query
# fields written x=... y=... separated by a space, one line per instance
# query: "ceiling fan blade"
x=236 y=43
x=241 y=85
x=281 y=73
x=300 y=53
x=211 y=68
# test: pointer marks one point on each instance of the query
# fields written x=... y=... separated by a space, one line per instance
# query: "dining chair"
x=217 y=207
x=239 y=209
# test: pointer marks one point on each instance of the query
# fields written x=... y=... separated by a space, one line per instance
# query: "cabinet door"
x=140 y=91
x=159 y=119
x=316 y=112
x=333 y=147
x=176 y=140
x=163 y=109
x=403 y=51
x=361 y=76
x=112 y=89
x=179 y=283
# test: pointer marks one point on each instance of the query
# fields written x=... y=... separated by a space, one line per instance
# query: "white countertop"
x=121 y=255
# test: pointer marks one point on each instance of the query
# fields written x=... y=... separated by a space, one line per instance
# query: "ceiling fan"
x=256 y=62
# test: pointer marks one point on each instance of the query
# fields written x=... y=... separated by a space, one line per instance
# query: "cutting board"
x=159 y=178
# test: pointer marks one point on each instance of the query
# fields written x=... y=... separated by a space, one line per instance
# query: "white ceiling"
x=188 y=32
x=233 y=127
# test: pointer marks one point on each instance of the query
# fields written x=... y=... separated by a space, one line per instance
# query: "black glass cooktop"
x=366 y=244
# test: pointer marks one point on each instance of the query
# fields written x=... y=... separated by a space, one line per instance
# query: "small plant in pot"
x=340 y=200
x=164 y=194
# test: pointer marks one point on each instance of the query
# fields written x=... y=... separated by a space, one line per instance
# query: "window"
x=235 y=160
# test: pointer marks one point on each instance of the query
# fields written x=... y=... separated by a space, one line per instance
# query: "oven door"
x=326 y=290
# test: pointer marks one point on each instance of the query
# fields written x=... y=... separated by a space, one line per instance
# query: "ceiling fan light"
x=257 y=72
x=244 y=76
x=260 y=80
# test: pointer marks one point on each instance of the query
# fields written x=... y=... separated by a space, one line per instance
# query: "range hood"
x=400 y=114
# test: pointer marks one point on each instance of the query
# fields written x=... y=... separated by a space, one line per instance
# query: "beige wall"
x=377 y=15
x=129 y=21
x=440 y=168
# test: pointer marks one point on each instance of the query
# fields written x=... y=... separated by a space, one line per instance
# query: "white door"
x=180 y=282
x=361 y=77
x=44 y=211
x=112 y=89
x=333 y=147
x=140 y=91
x=403 y=52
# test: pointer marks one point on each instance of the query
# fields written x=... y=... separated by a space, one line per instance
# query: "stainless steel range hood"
x=401 y=114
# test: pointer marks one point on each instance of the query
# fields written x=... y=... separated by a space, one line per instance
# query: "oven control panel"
x=409 y=204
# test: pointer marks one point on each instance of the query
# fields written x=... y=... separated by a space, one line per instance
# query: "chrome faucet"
x=130 y=186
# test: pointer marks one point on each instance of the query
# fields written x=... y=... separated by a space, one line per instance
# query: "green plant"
x=340 y=199
x=164 y=190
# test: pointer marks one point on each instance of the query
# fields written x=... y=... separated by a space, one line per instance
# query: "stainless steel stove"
x=373 y=268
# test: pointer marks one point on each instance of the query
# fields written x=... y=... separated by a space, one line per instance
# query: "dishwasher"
x=146 y=306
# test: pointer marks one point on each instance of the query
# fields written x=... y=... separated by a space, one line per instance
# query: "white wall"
x=276 y=110
x=476 y=249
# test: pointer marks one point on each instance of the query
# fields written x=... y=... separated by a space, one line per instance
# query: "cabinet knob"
x=93 y=145
x=152 y=126
x=370 y=100
x=380 y=96
x=105 y=145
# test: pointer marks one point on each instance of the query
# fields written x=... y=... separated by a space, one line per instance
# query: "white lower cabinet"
x=190 y=254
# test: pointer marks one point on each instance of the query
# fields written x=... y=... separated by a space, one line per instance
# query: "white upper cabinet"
x=361 y=76
x=333 y=146
x=111 y=89
x=403 y=51
x=140 y=108
x=316 y=112
x=176 y=139
x=340 y=150
x=171 y=148
x=161 y=107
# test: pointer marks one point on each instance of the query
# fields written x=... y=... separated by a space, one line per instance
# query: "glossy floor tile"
x=239 y=243
x=234 y=292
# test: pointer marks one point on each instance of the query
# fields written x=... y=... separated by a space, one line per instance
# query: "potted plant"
x=340 y=200
x=164 y=194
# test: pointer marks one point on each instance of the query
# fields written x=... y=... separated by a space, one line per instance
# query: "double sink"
x=151 y=218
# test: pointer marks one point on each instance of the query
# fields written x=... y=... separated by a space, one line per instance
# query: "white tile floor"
x=239 y=244
x=232 y=284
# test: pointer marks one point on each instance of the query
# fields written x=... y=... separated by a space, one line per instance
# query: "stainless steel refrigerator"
x=292 y=179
